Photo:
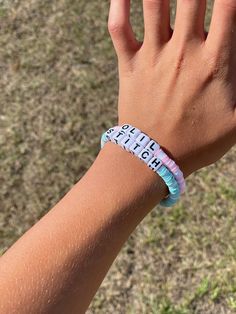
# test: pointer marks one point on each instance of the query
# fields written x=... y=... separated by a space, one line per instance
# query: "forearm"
x=59 y=264
x=179 y=88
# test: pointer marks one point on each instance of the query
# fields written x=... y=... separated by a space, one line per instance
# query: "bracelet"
x=169 y=163
x=138 y=143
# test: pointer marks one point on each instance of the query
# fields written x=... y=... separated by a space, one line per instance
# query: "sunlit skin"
x=177 y=86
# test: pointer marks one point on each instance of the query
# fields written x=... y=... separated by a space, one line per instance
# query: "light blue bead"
x=103 y=140
x=172 y=185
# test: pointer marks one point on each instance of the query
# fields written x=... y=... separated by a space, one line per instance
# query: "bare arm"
x=180 y=89
x=58 y=265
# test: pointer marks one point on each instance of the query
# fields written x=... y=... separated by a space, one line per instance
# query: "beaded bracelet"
x=139 y=144
x=169 y=163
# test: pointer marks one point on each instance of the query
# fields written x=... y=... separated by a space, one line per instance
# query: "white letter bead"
x=145 y=155
x=126 y=127
x=109 y=133
x=113 y=135
x=111 y=130
x=135 y=148
x=152 y=146
x=143 y=139
x=155 y=163
x=118 y=136
x=133 y=132
x=126 y=142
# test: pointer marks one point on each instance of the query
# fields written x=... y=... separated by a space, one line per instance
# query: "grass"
x=58 y=93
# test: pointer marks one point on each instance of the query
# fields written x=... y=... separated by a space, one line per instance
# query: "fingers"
x=190 y=18
x=156 y=21
x=223 y=25
x=120 y=29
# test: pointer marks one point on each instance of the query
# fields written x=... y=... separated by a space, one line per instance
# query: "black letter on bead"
x=137 y=146
x=125 y=127
x=110 y=131
x=119 y=134
x=132 y=130
x=143 y=154
x=151 y=146
x=142 y=138
x=156 y=162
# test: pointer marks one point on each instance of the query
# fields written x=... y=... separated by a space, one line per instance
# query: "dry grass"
x=58 y=93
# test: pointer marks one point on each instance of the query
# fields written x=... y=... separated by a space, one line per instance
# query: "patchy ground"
x=58 y=93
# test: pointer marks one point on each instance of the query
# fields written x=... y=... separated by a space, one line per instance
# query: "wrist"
x=167 y=143
x=130 y=182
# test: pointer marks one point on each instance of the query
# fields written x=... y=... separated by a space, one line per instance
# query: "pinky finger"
x=120 y=29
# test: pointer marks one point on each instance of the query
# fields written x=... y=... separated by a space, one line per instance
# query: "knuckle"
x=179 y=60
x=116 y=28
x=216 y=67
x=181 y=51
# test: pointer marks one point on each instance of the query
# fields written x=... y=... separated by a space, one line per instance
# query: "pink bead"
x=175 y=168
x=157 y=153
x=165 y=159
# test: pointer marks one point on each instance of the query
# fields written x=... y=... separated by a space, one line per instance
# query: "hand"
x=179 y=87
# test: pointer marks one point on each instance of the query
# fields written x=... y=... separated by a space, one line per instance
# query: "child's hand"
x=179 y=88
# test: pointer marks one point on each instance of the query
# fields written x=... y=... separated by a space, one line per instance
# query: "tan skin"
x=180 y=89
